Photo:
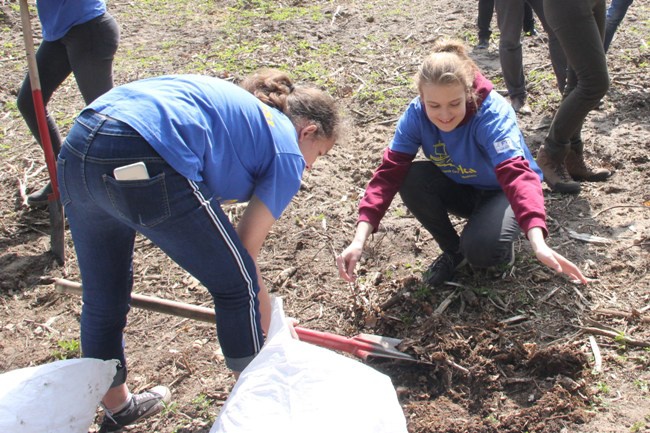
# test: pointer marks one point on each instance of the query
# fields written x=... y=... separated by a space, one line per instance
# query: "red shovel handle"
x=37 y=97
x=354 y=347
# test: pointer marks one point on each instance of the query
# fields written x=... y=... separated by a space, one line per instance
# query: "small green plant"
x=422 y=293
x=202 y=405
x=407 y=319
x=642 y=385
x=170 y=408
x=637 y=426
x=603 y=387
x=68 y=349
x=620 y=339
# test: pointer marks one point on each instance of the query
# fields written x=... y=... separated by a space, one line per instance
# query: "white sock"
x=123 y=405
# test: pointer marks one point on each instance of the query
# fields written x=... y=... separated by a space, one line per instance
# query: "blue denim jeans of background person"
x=491 y=227
x=175 y=213
x=579 y=26
x=615 y=14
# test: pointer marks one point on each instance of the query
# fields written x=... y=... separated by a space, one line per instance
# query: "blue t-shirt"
x=470 y=153
x=58 y=16
x=213 y=131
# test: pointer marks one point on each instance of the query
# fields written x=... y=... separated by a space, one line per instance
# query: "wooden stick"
x=598 y=360
x=624 y=314
x=616 y=207
x=619 y=337
x=448 y=300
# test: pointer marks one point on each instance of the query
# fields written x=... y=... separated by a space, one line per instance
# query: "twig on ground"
x=598 y=360
x=587 y=237
x=616 y=207
x=581 y=296
x=335 y=14
x=42 y=325
x=388 y=122
x=448 y=300
x=634 y=315
x=549 y=294
x=623 y=83
x=514 y=320
x=615 y=336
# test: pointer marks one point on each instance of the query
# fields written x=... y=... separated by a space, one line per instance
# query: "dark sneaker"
x=142 y=405
x=38 y=199
x=443 y=268
x=483 y=44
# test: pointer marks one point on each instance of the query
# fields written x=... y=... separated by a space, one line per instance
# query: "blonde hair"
x=298 y=102
x=448 y=64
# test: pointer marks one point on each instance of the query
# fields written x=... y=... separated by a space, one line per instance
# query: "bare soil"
x=508 y=352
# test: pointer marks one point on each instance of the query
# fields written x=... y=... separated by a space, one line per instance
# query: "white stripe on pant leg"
x=238 y=258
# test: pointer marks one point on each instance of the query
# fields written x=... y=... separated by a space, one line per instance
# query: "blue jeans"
x=175 y=213
x=615 y=14
x=491 y=228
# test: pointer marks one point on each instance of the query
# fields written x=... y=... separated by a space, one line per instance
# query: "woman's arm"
x=380 y=192
x=253 y=228
x=524 y=191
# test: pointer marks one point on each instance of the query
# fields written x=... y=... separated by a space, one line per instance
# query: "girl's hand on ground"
x=550 y=258
x=559 y=263
x=347 y=262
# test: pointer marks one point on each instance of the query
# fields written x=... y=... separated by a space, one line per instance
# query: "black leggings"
x=87 y=51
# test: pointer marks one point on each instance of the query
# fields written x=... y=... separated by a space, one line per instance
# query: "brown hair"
x=299 y=102
x=448 y=64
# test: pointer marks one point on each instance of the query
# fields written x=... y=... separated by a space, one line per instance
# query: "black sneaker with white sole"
x=142 y=405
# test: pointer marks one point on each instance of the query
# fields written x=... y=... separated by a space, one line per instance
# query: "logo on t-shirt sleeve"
x=504 y=145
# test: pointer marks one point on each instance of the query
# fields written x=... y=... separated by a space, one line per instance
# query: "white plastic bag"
x=296 y=387
x=60 y=397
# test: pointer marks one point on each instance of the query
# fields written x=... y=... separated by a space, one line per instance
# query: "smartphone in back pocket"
x=136 y=171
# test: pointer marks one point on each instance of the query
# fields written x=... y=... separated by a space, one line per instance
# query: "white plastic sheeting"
x=60 y=397
x=295 y=387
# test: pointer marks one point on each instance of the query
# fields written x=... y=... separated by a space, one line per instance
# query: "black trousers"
x=486 y=11
x=487 y=237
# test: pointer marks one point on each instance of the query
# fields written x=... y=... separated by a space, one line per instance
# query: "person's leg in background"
x=579 y=27
x=91 y=48
x=485 y=13
x=510 y=15
x=558 y=58
x=53 y=69
x=529 y=21
x=615 y=14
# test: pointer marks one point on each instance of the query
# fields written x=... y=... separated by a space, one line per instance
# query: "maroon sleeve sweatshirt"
x=518 y=181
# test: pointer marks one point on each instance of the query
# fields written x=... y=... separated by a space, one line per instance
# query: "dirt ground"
x=508 y=352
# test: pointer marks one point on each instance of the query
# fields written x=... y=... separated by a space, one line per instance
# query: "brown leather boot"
x=555 y=172
x=577 y=168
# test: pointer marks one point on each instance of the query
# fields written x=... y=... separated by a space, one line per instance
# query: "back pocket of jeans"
x=143 y=202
